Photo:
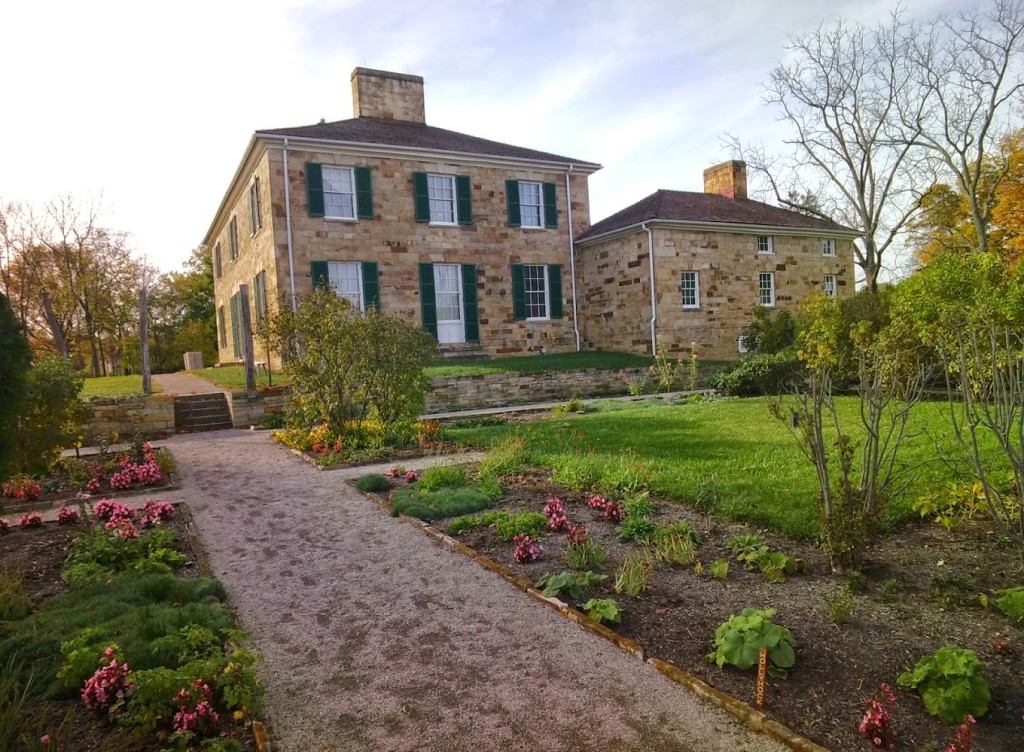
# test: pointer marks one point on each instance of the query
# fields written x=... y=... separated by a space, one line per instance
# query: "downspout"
x=654 y=304
x=288 y=225
x=572 y=259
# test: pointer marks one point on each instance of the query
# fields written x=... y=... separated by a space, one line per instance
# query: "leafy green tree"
x=52 y=414
x=15 y=360
x=348 y=366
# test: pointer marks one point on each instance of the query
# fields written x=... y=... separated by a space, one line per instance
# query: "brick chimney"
x=728 y=179
x=391 y=96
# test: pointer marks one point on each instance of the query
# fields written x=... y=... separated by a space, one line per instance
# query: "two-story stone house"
x=470 y=237
x=681 y=267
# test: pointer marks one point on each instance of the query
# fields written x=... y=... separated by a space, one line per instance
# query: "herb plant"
x=719 y=569
x=950 y=683
x=585 y=554
x=670 y=547
x=1011 y=603
x=738 y=642
x=634 y=576
x=603 y=610
x=373 y=482
x=556 y=584
x=636 y=529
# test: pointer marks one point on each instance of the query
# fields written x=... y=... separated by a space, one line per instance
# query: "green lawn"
x=113 y=386
x=538 y=363
x=729 y=456
x=233 y=377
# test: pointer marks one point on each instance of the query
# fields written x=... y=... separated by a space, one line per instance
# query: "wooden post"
x=248 y=351
x=147 y=378
x=762 y=672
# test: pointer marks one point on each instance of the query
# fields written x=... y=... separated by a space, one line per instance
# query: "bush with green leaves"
x=950 y=683
x=372 y=482
x=682 y=528
x=738 y=642
x=1011 y=603
x=636 y=529
x=348 y=365
x=557 y=584
x=52 y=415
x=603 y=610
x=98 y=554
x=14 y=368
x=760 y=374
x=719 y=569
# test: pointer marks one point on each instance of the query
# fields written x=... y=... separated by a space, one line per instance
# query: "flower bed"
x=363 y=442
x=918 y=591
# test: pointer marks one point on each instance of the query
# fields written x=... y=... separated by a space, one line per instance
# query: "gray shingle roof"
x=690 y=206
x=366 y=130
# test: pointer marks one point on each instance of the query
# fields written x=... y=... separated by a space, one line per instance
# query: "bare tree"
x=839 y=96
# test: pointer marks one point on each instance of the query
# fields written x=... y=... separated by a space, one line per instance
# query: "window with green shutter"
x=427 y=305
x=255 y=220
x=421 y=196
x=222 y=331
x=216 y=261
x=236 y=316
x=259 y=295
x=233 y=238
x=318 y=272
x=518 y=293
x=371 y=285
x=364 y=193
x=469 y=303
x=512 y=199
x=555 y=290
x=314 y=189
x=550 y=206
x=464 y=196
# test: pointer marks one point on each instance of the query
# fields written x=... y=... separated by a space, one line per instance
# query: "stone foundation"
x=153 y=416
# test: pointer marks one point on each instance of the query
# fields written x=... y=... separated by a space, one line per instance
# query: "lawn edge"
x=753 y=719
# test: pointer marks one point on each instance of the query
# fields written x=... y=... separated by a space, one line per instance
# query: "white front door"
x=451 y=325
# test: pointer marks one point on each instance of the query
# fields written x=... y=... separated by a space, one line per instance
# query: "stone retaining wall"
x=152 y=416
x=249 y=409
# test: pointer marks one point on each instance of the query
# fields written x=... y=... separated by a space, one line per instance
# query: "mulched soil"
x=38 y=555
x=921 y=590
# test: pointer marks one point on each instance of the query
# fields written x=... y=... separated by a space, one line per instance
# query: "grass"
x=113 y=386
x=729 y=457
x=233 y=377
x=539 y=363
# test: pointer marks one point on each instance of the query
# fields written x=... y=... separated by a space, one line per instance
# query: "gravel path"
x=183 y=383
x=377 y=638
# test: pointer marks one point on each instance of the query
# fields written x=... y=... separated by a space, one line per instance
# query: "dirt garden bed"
x=919 y=591
x=38 y=554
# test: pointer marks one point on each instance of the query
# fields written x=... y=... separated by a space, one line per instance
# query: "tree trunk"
x=147 y=379
x=51 y=318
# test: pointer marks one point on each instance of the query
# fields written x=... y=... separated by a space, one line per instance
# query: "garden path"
x=377 y=638
x=183 y=383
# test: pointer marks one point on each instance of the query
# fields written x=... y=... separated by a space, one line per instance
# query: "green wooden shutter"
x=318 y=271
x=555 y=290
x=550 y=206
x=421 y=197
x=427 y=303
x=314 y=189
x=371 y=285
x=222 y=329
x=252 y=210
x=216 y=261
x=515 y=219
x=464 y=199
x=256 y=299
x=518 y=293
x=469 y=304
x=364 y=193
x=263 y=291
x=236 y=313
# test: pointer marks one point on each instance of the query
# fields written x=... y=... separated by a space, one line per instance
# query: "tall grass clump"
x=508 y=456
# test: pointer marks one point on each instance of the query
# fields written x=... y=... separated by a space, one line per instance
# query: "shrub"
x=445 y=502
x=98 y=553
x=840 y=605
x=638 y=505
x=22 y=488
x=682 y=528
x=1011 y=603
x=444 y=476
x=760 y=374
x=68 y=516
x=465 y=524
x=31 y=519
x=507 y=457
x=14 y=369
x=574 y=405
x=603 y=610
x=950 y=683
x=636 y=529
x=52 y=415
x=719 y=569
x=738 y=642
x=634 y=575
x=373 y=482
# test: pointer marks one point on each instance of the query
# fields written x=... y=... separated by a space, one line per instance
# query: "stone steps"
x=201 y=412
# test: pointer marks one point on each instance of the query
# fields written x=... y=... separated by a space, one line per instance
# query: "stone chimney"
x=728 y=179
x=391 y=96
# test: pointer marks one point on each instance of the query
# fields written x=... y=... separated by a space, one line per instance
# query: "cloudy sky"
x=148 y=107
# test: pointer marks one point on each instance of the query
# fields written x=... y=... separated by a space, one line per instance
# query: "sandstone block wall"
x=383 y=94
x=248 y=409
x=614 y=279
x=151 y=416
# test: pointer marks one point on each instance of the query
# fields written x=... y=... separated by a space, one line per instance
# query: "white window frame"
x=328 y=208
x=334 y=269
x=527 y=268
x=433 y=181
x=741 y=344
x=828 y=285
x=828 y=247
x=765 y=245
x=539 y=205
x=769 y=301
x=695 y=289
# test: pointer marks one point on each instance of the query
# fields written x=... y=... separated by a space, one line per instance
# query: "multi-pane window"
x=690 y=290
x=829 y=285
x=828 y=247
x=255 y=220
x=766 y=288
x=441 y=193
x=339 y=192
x=535 y=278
x=345 y=279
x=233 y=238
x=531 y=205
x=448 y=292
x=765 y=244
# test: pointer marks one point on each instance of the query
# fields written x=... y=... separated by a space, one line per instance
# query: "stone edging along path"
x=751 y=718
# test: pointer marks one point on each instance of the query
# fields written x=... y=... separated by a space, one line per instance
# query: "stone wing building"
x=489 y=246
x=470 y=237
x=682 y=267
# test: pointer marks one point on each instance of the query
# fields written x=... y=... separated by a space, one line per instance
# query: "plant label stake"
x=762 y=672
